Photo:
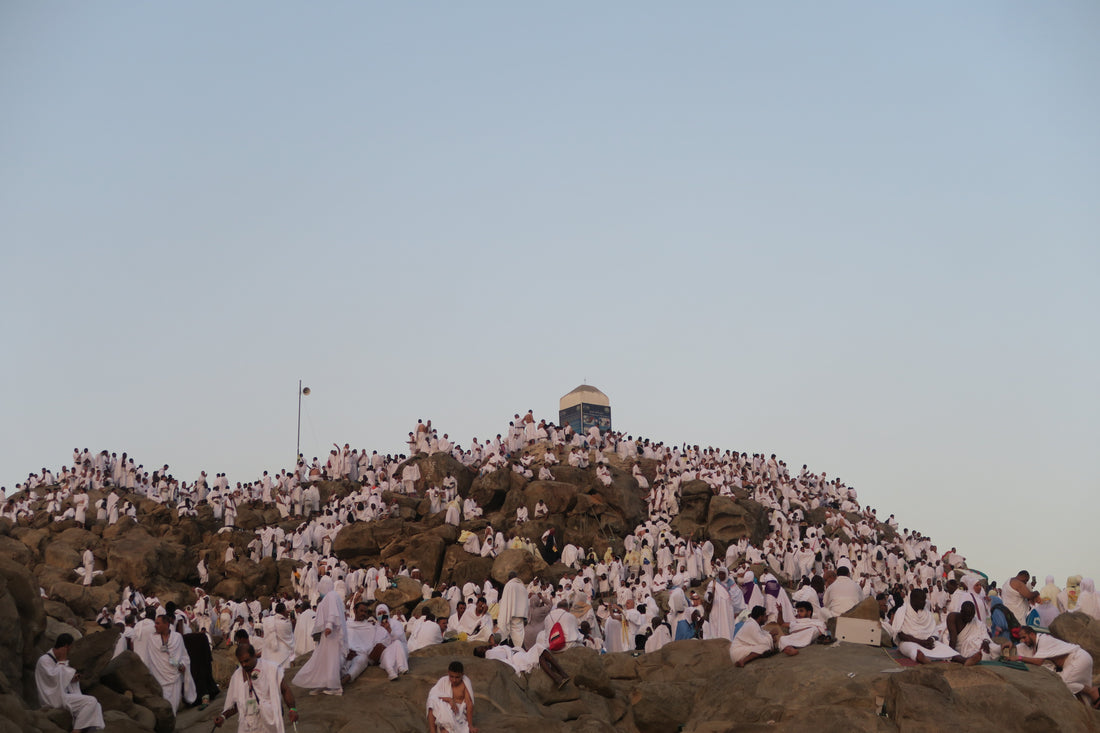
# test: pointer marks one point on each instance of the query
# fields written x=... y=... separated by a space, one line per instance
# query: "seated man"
x=969 y=635
x=364 y=644
x=751 y=641
x=59 y=687
x=804 y=629
x=1075 y=663
x=914 y=629
x=429 y=632
x=451 y=703
x=475 y=622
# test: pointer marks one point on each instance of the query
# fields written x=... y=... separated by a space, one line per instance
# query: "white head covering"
x=380 y=609
x=324 y=586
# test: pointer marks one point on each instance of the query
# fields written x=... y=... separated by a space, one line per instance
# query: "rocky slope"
x=688 y=684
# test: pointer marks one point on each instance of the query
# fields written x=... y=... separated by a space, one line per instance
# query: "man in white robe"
x=803 y=630
x=257 y=692
x=364 y=635
x=321 y=673
x=916 y=633
x=751 y=641
x=842 y=594
x=303 y=631
x=969 y=635
x=513 y=609
x=1075 y=662
x=59 y=687
x=722 y=613
x=476 y=622
x=450 y=705
x=170 y=664
x=278 y=644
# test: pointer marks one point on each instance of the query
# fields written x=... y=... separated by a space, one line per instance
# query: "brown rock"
x=423 y=551
x=559 y=497
x=437 y=606
x=460 y=567
x=127 y=673
x=403 y=597
x=364 y=539
x=15 y=550
x=1084 y=631
x=90 y=655
x=523 y=563
x=136 y=557
x=22 y=623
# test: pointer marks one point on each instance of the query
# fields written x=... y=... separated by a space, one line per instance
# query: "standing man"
x=279 y=638
x=322 y=672
x=257 y=691
x=1018 y=596
x=170 y=664
x=513 y=609
x=59 y=687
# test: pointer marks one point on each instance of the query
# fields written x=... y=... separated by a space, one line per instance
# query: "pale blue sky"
x=859 y=235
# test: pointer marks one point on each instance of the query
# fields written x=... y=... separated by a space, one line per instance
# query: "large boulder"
x=261 y=578
x=490 y=490
x=84 y=600
x=402 y=596
x=91 y=654
x=423 y=551
x=523 y=563
x=22 y=624
x=127 y=673
x=460 y=567
x=136 y=557
x=1083 y=630
x=15 y=550
x=559 y=497
x=365 y=539
x=727 y=521
x=434 y=469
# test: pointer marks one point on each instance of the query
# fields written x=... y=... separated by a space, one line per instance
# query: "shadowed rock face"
x=687 y=685
x=693 y=685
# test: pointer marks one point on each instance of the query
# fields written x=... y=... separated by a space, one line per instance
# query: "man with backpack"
x=561 y=628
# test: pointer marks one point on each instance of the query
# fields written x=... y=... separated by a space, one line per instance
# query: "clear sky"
x=862 y=236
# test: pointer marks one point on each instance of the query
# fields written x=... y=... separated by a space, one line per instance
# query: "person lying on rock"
x=524 y=661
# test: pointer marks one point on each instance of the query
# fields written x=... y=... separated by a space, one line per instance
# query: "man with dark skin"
x=957 y=621
x=244 y=686
x=917 y=600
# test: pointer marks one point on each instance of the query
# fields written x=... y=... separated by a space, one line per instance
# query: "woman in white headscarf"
x=1087 y=599
x=1048 y=602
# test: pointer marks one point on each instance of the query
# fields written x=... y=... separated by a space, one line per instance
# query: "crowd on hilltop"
x=775 y=596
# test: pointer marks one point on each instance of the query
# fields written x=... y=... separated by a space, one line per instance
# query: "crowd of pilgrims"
x=606 y=601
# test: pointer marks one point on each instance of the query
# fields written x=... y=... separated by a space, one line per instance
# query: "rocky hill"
x=688 y=686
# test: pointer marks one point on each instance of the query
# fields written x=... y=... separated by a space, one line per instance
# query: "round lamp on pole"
x=298 y=447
